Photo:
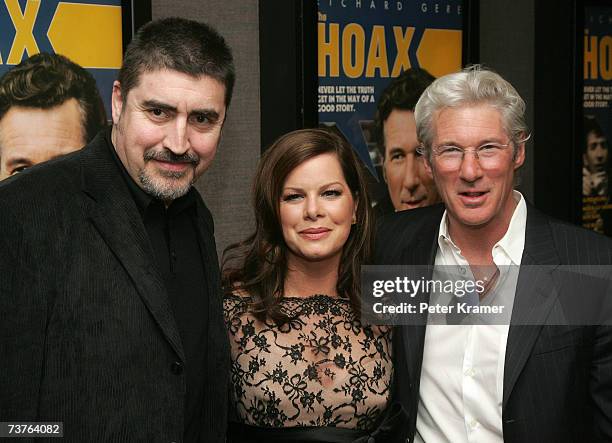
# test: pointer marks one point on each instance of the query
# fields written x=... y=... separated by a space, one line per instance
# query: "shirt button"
x=473 y=424
x=462 y=270
x=177 y=368
x=470 y=372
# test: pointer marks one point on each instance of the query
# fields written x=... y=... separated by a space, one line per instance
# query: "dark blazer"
x=87 y=335
x=557 y=379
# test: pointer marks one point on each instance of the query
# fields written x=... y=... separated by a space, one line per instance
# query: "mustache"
x=170 y=157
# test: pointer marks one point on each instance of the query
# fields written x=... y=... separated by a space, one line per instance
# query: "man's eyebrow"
x=158 y=104
x=19 y=161
x=211 y=114
x=484 y=141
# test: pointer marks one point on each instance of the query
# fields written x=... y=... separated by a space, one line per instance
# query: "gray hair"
x=472 y=86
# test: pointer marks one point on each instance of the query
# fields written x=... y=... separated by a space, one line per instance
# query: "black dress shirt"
x=175 y=244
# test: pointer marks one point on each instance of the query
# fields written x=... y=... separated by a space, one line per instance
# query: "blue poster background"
x=104 y=77
x=364 y=18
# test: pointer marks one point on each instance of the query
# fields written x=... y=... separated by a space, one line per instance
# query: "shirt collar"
x=513 y=241
x=511 y=244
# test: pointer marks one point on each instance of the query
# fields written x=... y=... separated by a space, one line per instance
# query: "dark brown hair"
x=178 y=44
x=48 y=80
x=258 y=265
x=402 y=93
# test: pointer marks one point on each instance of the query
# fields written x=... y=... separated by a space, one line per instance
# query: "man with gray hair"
x=112 y=319
x=530 y=379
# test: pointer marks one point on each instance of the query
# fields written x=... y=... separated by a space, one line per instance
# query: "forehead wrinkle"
x=466 y=122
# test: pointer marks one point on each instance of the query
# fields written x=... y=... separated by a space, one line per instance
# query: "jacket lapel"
x=213 y=285
x=535 y=296
x=208 y=250
x=422 y=252
x=113 y=212
x=217 y=339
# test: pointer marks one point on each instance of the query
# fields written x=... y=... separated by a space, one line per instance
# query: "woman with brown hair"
x=304 y=367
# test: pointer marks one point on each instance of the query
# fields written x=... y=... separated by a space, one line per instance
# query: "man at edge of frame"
x=111 y=311
x=534 y=378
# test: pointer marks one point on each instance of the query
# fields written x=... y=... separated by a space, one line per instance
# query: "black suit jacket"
x=557 y=379
x=87 y=336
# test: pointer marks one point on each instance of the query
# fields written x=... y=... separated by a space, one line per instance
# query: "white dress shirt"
x=461 y=389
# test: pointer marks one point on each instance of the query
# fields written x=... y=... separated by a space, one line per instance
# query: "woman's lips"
x=315 y=233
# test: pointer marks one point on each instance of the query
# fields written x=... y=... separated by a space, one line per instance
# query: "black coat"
x=87 y=336
x=557 y=379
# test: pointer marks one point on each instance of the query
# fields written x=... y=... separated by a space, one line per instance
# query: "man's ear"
x=519 y=158
x=116 y=101
x=427 y=164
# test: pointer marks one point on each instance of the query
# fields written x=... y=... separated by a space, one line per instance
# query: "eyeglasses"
x=489 y=155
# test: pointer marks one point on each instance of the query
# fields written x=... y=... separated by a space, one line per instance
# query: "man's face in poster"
x=29 y=136
x=596 y=153
x=410 y=184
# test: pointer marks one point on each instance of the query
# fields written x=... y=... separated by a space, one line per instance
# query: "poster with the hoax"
x=597 y=119
x=364 y=44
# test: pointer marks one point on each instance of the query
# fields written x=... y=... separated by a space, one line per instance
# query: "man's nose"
x=177 y=138
x=411 y=179
x=470 y=169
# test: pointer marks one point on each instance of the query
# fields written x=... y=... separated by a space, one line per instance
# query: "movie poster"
x=597 y=125
x=363 y=44
x=88 y=32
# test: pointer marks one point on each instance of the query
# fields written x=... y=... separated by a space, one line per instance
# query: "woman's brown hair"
x=258 y=265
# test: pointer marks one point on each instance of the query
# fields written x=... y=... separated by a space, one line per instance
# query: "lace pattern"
x=322 y=368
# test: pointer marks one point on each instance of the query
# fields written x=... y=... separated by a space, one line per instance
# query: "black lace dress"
x=323 y=376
